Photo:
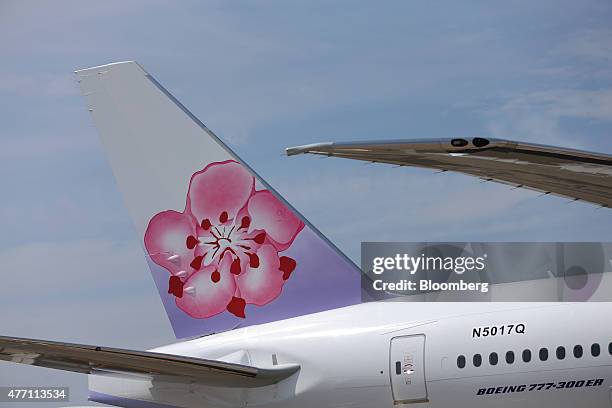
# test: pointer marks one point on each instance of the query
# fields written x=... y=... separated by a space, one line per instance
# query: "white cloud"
x=593 y=43
x=537 y=116
x=39 y=84
x=31 y=147
x=40 y=271
x=558 y=103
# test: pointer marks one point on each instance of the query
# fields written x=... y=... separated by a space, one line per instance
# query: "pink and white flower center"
x=232 y=238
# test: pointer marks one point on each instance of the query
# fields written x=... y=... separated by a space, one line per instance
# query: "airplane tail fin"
x=223 y=247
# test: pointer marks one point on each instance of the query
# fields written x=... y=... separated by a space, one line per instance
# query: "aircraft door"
x=407 y=369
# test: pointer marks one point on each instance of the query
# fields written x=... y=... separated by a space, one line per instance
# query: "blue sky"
x=267 y=75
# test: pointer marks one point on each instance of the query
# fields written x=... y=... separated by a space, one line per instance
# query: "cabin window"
x=595 y=350
x=477 y=360
x=510 y=357
x=493 y=359
x=610 y=348
x=560 y=352
x=578 y=351
x=543 y=354
x=461 y=361
x=526 y=355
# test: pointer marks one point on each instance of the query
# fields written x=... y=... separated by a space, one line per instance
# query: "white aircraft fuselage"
x=398 y=353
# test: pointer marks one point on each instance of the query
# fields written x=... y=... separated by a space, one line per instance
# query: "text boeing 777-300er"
x=277 y=307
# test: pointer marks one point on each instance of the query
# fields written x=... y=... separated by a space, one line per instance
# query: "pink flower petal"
x=166 y=236
x=207 y=292
x=263 y=284
x=272 y=216
x=218 y=192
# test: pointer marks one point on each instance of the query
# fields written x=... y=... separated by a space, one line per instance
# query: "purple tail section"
x=223 y=247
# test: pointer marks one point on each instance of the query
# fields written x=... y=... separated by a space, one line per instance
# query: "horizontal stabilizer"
x=576 y=174
x=112 y=361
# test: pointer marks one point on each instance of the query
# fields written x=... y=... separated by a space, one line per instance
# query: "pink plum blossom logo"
x=223 y=250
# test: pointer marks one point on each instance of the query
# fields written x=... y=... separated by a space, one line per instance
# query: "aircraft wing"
x=113 y=362
x=571 y=173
